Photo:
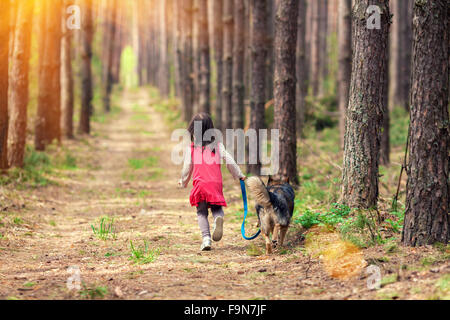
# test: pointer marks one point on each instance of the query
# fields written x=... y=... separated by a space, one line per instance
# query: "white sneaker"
x=206 y=244
x=218 y=229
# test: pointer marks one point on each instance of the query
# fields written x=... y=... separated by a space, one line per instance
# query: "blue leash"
x=244 y=199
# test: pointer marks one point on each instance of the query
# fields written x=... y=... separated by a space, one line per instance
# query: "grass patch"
x=143 y=254
x=389 y=279
x=137 y=164
x=93 y=292
x=105 y=230
x=253 y=250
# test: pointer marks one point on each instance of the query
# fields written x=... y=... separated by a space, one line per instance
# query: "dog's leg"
x=268 y=244
x=275 y=235
x=283 y=230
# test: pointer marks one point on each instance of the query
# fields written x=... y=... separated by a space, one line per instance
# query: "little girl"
x=203 y=162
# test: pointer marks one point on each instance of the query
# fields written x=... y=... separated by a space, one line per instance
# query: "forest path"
x=131 y=178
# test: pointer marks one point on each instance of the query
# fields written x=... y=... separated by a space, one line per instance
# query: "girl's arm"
x=186 y=172
x=231 y=164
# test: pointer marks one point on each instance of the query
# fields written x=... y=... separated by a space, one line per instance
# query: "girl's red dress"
x=206 y=176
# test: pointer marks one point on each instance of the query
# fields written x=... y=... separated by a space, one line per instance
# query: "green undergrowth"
x=361 y=227
x=104 y=229
x=40 y=167
x=143 y=254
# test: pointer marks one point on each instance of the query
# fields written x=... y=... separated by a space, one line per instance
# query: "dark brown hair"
x=207 y=124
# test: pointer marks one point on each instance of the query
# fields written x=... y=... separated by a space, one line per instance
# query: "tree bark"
x=187 y=63
x=238 y=65
x=48 y=126
x=178 y=61
x=108 y=47
x=67 y=94
x=228 y=23
x=302 y=79
x=202 y=57
x=427 y=190
x=345 y=61
x=323 y=53
x=315 y=45
x=271 y=9
x=259 y=27
x=18 y=99
x=400 y=53
x=164 y=76
x=218 y=53
x=285 y=83
x=118 y=45
x=366 y=107
x=86 y=35
x=4 y=66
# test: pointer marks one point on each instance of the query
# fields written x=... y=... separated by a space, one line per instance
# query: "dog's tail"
x=258 y=191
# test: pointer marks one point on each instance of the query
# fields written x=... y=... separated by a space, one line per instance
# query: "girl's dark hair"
x=207 y=124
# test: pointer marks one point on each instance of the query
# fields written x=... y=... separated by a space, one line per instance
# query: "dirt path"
x=127 y=174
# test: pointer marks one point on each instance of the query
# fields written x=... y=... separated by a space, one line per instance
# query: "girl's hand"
x=180 y=184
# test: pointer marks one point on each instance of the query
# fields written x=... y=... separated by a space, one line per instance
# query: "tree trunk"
x=48 y=126
x=345 y=61
x=18 y=82
x=427 y=190
x=4 y=66
x=217 y=8
x=178 y=61
x=238 y=65
x=323 y=47
x=12 y=24
x=118 y=45
x=285 y=83
x=271 y=9
x=366 y=106
x=258 y=49
x=67 y=95
x=315 y=44
x=187 y=63
x=227 y=64
x=86 y=35
x=385 y=145
x=202 y=57
x=164 y=76
x=302 y=80
x=400 y=53
x=108 y=47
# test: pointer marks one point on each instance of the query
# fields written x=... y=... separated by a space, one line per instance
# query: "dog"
x=274 y=206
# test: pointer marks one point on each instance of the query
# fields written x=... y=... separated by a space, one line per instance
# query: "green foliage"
x=337 y=214
x=93 y=292
x=39 y=166
x=143 y=254
x=308 y=219
x=137 y=164
x=361 y=230
x=392 y=278
x=398 y=131
x=18 y=221
x=128 y=63
x=395 y=221
x=106 y=229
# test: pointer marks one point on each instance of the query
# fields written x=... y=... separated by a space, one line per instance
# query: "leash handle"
x=244 y=199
